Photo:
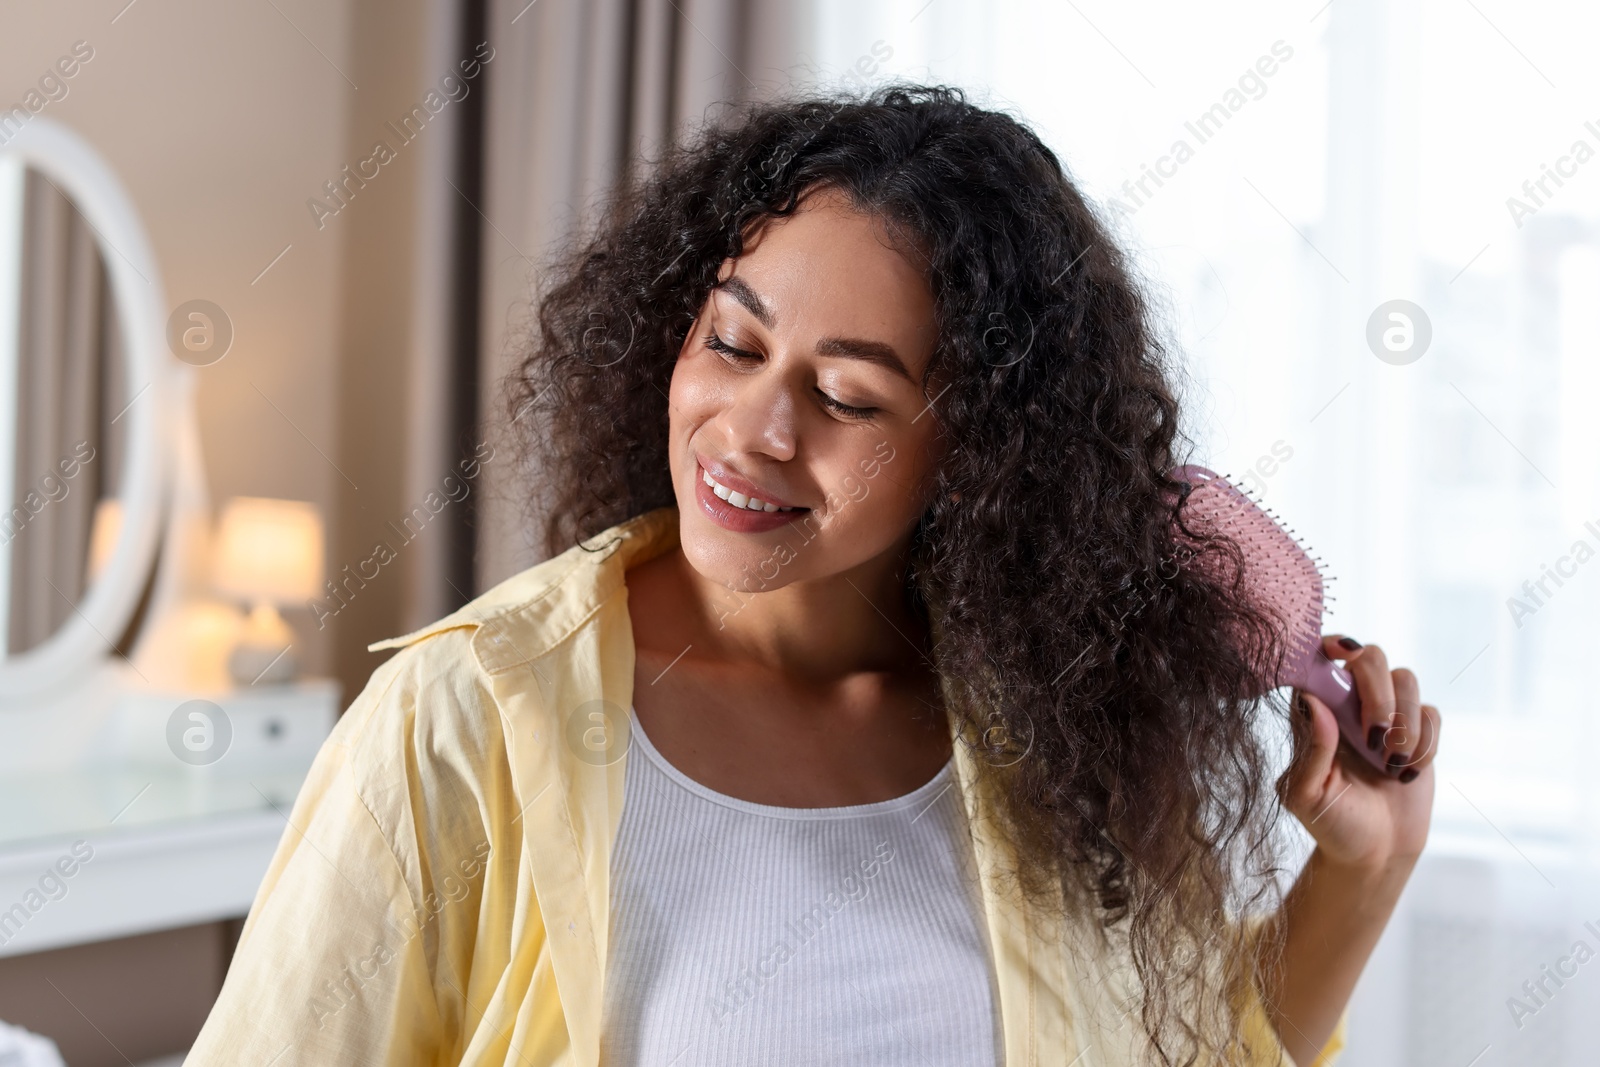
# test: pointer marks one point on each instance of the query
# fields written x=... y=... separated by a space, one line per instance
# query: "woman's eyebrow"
x=871 y=351
x=740 y=290
x=851 y=347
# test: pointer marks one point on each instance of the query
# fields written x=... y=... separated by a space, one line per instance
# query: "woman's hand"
x=1357 y=817
x=1369 y=830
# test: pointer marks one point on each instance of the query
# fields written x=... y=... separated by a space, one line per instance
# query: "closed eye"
x=739 y=355
x=846 y=410
x=717 y=344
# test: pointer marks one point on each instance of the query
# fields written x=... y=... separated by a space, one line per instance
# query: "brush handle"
x=1333 y=685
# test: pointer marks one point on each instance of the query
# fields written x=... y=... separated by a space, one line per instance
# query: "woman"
x=871 y=719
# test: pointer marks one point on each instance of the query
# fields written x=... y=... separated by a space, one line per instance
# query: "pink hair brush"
x=1282 y=578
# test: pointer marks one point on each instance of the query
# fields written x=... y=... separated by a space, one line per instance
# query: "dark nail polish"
x=1397 y=760
x=1407 y=775
x=1375 y=738
x=1350 y=643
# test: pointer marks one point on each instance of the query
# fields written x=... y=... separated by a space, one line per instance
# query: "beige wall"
x=222 y=120
x=376 y=326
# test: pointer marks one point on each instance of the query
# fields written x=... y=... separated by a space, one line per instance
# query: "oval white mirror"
x=83 y=381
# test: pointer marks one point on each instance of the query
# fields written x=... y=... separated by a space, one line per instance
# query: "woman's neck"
x=819 y=630
x=818 y=694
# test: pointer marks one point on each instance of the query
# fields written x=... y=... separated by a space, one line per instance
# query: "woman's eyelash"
x=844 y=409
x=717 y=344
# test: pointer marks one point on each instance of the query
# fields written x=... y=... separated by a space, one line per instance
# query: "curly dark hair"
x=1110 y=691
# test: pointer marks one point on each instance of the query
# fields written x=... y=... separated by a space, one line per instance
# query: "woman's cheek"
x=689 y=389
x=867 y=502
x=694 y=397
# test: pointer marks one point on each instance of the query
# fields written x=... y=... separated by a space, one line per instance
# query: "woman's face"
x=798 y=394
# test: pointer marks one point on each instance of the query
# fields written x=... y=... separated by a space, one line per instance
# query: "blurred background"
x=1373 y=229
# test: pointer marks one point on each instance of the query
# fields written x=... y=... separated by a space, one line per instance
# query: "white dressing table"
x=169 y=845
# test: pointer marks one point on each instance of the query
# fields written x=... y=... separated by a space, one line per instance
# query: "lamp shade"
x=268 y=551
x=103 y=534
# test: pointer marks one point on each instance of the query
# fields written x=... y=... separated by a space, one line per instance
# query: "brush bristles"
x=1281 y=574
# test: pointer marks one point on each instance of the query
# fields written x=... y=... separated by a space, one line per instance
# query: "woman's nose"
x=760 y=417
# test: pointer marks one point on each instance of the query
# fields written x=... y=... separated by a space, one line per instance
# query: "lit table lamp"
x=103 y=534
x=268 y=553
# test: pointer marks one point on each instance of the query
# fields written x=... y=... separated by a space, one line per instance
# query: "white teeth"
x=738 y=500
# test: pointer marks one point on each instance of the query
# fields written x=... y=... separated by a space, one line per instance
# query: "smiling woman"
x=787 y=372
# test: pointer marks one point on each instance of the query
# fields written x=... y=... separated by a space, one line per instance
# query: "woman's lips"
x=731 y=483
x=738 y=519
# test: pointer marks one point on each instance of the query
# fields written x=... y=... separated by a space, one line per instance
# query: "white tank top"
x=746 y=934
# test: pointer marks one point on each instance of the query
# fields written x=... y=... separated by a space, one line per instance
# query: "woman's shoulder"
x=535 y=609
x=424 y=744
x=421 y=757
x=428 y=714
x=427 y=705
x=425 y=738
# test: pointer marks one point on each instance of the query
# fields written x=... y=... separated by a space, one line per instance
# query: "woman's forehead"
x=832 y=268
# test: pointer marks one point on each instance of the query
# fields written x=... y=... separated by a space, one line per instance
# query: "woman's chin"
x=741 y=563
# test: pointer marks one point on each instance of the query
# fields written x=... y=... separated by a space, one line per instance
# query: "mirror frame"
x=88 y=637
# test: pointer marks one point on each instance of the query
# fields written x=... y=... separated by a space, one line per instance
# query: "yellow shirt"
x=441 y=893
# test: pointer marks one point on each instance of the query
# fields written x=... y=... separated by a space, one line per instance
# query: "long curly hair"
x=1100 y=654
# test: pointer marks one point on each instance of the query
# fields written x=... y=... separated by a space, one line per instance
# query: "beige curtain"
x=71 y=383
x=582 y=91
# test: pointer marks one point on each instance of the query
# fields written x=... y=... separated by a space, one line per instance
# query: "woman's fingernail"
x=1407 y=775
x=1397 y=760
x=1350 y=643
x=1375 y=738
